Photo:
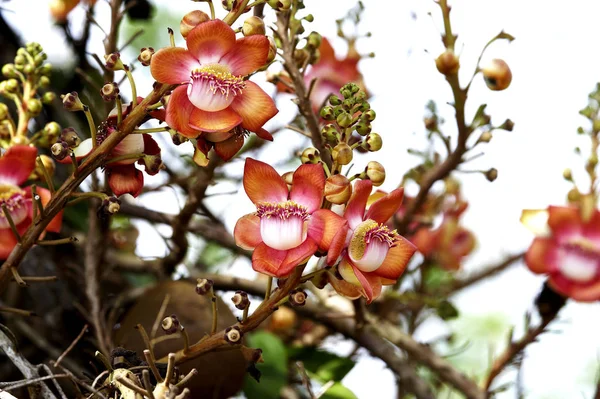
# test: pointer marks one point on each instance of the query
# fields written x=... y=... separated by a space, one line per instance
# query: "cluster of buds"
x=68 y=140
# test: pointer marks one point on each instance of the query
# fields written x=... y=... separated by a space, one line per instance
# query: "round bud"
x=373 y=142
x=342 y=153
x=363 y=127
x=327 y=113
x=314 y=40
x=369 y=115
x=491 y=174
x=3 y=111
x=9 y=71
x=280 y=5
x=485 y=137
x=113 y=62
x=39 y=59
x=272 y=50
x=52 y=130
x=46 y=69
x=309 y=18
x=334 y=100
x=227 y=4
x=49 y=166
x=191 y=20
x=153 y=163
x=567 y=174
x=330 y=132
x=70 y=137
x=300 y=56
x=297 y=298
x=338 y=189
x=28 y=69
x=283 y=319
x=233 y=335
x=170 y=324
x=145 y=56
x=507 y=125
x=447 y=63
x=240 y=300
x=109 y=91
x=71 y=101
x=344 y=119
x=497 y=75
x=111 y=205
x=20 y=60
x=60 y=150
x=310 y=155
x=253 y=26
x=11 y=85
x=375 y=172
x=203 y=286
x=34 y=106
x=288 y=177
x=177 y=138
x=20 y=140
x=44 y=82
x=574 y=195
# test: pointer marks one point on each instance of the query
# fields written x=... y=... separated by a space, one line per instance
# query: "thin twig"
x=70 y=347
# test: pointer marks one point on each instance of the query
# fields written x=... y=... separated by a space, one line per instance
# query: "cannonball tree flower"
x=215 y=102
x=569 y=254
x=372 y=254
x=16 y=165
x=288 y=227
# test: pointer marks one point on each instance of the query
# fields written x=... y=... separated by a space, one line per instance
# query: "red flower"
x=215 y=97
x=16 y=165
x=288 y=226
x=372 y=254
x=570 y=255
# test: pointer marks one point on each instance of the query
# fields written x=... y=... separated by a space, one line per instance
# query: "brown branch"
x=71 y=346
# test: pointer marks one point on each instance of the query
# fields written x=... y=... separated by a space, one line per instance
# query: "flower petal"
x=247 y=232
x=7 y=243
x=535 y=220
x=254 y=106
x=267 y=260
x=173 y=65
x=219 y=121
x=354 y=276
x=150 y=145
x=179 y=109
x=132 y=144
x=210 y=40
x=564 y=220
x=384 y=208
x=323 y=225
x=247 y=55
x=582 y=293
x=17 y=164
x=396 y=260
x=308 y=184
x=538 y=253
x=355 y=210
x=297 y=256
x=201 y=150
x=343 y=287
x=326 y=51
x=125 y=179
x=228 y=148
x=262 y=133
x=262 y=183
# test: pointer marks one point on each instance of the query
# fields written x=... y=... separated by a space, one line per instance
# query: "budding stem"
x=119 y=110
x=92 y=125
x=152 y=130
x=11 y=223
x=60 y=241
x=269 y=287
x=47 y=177
x=213 y=298
x=133 y=88
x=18 y=277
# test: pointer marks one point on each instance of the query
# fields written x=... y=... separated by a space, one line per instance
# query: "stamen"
x=219 y=79
x=282 y=210
x=368 y=231
x=13 y=199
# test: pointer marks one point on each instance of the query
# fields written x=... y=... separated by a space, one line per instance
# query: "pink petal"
x=538 y=253
x=338 y=244
x=308 y=184
x=383 y=209
x=343 y=287
x=247 y=232
x=81 y=151
x=228 y=148
x=17 y=164
x=396 y=260
x=355 y=210
x=262 y=183
x=354 y=276
x=297 y=256
x=125 y=179
x=267 y=260
x=219 y=121
x=326 y=51
x=254 y=106
x=132 y=144
x=582 y=293
x=209 y=41
x=7 y=243
x=564 y=221
x=179 y=109
x=323 y=225
x=173 y=65
x=247 y=55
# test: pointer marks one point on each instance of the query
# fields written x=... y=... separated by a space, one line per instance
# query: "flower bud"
x=9 y=71
x=283 y=319
x=34 y=106
x=288 y=178
x=338 y=189
x=233 y=335
x=145 y=56
x=497 y=75
x=109 y=91
x=44 y=82
x=491 y=174
x=3 y=111
x=203 y=286
x=46 y=69
x=170 y=324
x=51 y=130
x=49 y=166
x=191 y=20
x=507 y=125
x=376 y=173
x=253 y=26
x=327 y=113
x=113 y=62
x=60 y=150
x=334 y=100
x=342 y=153
x=373 y=142
x=280 y=5
x=227 y=4
x=485 y=137
x=574 y=196
x=344 y=119
x=300 y=56
x=71 y=101
x=447 y=63
x=177 y=138
x=314 y=40
x=20 y=60
x=272 y=50
x=70 y=137
x=11 y=85
x=297 y=298
x=567 y=175
x=153 y=163
x=369 y=115
x=111 y=205
x=240 y=300
x=363 y=127
x=28 y=69
x=20 y=140
x=329 y=132
x=48 y=97
x=310 y=155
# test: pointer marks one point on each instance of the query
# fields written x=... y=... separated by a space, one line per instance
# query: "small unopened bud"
x=51 y=131
x=344 y=119
x=342 y=153
x=34 y=106
x=49 y=165
x=447 y=63
x=363 y=127
x=11 y=85
x=170 y=324
x=111 y=205
x=314 y=40
x=45 y=70
x=369 y=115
x=310 y=155
x=280 y=5
x=327 y=113
x=485 y=137
x=9 y=71
x=3 y=111
x=71 y=101
x=272 y=50
x=567 y=175
x=240 y=300
x=491 y=174
x=203 y=286
x=373 y=142
x=227 y=4
x=44 y=82
x=177 y=138
x=300 y=56
x=253 y=26
x=334 y=100
x=497 y=75
x=233 y=335
x=574 y=196
x=297 y=298
x=375 y=172
x=153 y=163
x=145 y=56
x=48 y=97
x=508 y=125
x=338 y=189
x=113 y=62
x=60 y=150
x=109 y=91
x=330 y=132
x=288 y=178
x=70 y=137
x=191 y=20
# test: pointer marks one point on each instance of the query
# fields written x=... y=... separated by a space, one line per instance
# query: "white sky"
x=555 y=64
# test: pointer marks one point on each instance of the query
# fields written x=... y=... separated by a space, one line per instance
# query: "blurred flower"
x=569 y=254
x=214 y=102
x=372 y=254
x=16 y=165
x=288 y=227
x=60 y=9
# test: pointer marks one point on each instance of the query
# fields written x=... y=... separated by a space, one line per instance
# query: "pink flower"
x=570 y=254
x=372 y=254
x=288 y=227
x=16 y=165
x=215 y=97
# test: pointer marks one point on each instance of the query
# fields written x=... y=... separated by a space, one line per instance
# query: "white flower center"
x=213 y=88
x=578 y=261
x=282 y=225
x=369 y=245
x=12 y=197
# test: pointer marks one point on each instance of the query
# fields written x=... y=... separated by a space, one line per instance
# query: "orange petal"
x=425 y=240
x=247 y=232
x=359 y=279
x=209 y=41
x=218 y=121
x=396 y=260
x=179 y=109
x=254 y=106
x=355 y=211
x=323 y=225
x=125 y=179
x=17 y=164
x=581 y=293
x=326 y=51
x=563 y=219
x=384 y=208
x=267 y=260
x=262 y=183
x=297 y=256
x=173 y=65
x=7 y=242
x=308 y=183
x=228 y=148
x=247 y=55
x=338 y=243
x=538 y=253
x=343 y=287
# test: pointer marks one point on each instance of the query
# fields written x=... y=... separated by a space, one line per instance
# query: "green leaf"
x=338 y=391
x=213 y=254
x=446 y=310
x=273 y=370
x=325 y=366
x=436 y=277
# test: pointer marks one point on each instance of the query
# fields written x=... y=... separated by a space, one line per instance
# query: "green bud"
x=314 y=40
x=227 y=4
x=40 y=58
x=345 y=92
x=375 y=172
x=52 y=130
x=334 y=100
x=44 y=82
x=327 y=113
x=329 y=132
x=113 y=62
x=12 y=85
x=71 y=101
x=369 y=115
x=309 y=18
x=20 y=59
x=363 y=128
x=280 y=5
x=567 y=175
x=9 y=71
x=344 y=119
x=491 y=174
x=48 y=97
x=29 y=69
x=34 y=106
x=310 y=156
x=3 y=111
x=342 y=154
x=373 y=142
x=46 y=69
x=253 y=26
